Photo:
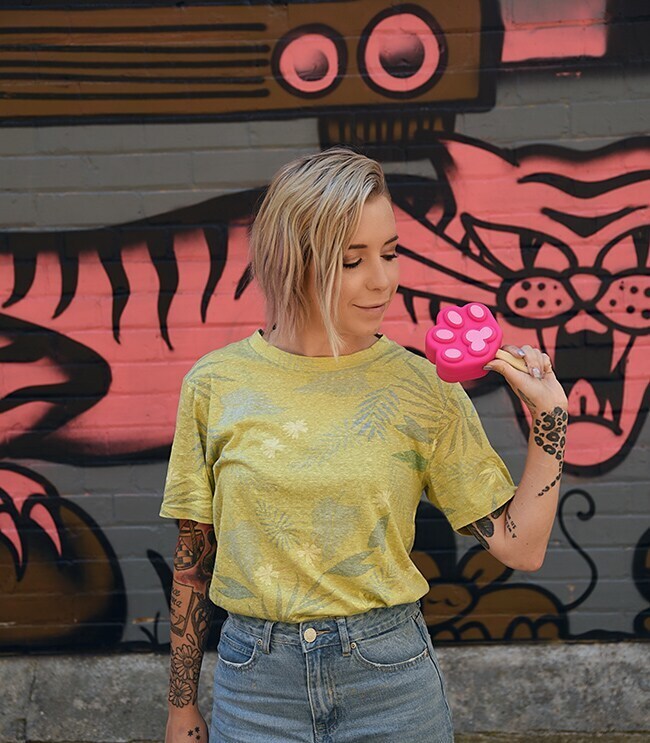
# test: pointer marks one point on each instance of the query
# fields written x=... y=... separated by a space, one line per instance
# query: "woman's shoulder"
x=417 y=367
x=221 y=362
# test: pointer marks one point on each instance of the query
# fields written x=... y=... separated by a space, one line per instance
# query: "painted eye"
x=538 y=297
x=626 y=303
x=310 y=61
x=402 y=52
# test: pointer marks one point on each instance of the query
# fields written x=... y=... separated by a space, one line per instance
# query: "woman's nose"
x=380 y=275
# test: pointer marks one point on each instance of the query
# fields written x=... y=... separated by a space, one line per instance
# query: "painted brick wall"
x=63 y=184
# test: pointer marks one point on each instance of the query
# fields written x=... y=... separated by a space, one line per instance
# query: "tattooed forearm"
x=190 y=545
x=527 y=400
x=192 y=627
x=549 y=431
x=190 y=610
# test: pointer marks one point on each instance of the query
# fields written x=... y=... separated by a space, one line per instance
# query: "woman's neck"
x=313 y=343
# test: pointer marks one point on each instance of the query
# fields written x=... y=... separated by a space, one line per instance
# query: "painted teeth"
x=620 y=343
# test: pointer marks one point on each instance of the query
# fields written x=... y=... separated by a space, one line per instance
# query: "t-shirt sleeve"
x=465 y=478
x=189 y=485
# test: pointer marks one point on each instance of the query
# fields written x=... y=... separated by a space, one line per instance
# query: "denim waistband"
x=355 y=626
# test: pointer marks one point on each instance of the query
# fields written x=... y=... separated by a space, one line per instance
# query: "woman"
x=299 y=458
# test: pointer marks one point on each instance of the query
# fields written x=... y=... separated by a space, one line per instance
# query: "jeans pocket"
x=394 y=650
x=237 y=649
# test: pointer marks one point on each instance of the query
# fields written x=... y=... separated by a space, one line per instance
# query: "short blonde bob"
x=309 y=214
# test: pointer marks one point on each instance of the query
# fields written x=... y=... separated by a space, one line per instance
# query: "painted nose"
x=586 y=286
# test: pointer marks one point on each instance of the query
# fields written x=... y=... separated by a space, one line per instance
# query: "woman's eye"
x=387 y=257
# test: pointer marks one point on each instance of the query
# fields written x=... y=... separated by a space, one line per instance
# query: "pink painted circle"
x=400 y=36
x=309 y=63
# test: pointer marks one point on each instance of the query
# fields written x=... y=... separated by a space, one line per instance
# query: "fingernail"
x=520 y=352
x=537 y=373
x=487 y=367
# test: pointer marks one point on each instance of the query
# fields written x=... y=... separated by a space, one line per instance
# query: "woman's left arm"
x=517 y=533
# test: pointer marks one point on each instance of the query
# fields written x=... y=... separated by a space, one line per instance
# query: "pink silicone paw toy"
x=463 y=340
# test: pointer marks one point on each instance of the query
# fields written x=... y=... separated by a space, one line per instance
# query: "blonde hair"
x=309 y=215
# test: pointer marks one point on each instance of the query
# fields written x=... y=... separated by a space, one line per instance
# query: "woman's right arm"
x=190 y=614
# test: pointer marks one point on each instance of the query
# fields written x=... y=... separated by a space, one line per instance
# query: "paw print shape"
x=462 y=341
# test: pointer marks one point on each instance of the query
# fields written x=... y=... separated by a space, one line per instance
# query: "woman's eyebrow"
x=361 y=246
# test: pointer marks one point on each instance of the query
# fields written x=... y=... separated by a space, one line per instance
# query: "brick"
x=155 y=203
x=192 y=136
x=85 y=139
x=137 y=170
x=508 y=126
x=18 y=210
x=137 y=508
x=74 y=209
x=17 y=141
x=618 y=118
x=278 y=133
x=253 y=167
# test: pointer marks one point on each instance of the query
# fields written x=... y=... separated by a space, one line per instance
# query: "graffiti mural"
x=61 y=583
x=98 y=326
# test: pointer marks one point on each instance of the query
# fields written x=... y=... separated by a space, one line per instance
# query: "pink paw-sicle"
x=463 y=340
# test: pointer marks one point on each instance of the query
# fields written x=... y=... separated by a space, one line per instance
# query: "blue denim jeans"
x=368 y=677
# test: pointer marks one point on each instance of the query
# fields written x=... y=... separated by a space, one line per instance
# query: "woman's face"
x=370 y=270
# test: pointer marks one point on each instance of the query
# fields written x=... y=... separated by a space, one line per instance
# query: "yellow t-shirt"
x=311 y=470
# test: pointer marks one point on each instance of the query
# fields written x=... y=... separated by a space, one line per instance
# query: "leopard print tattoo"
x=549 y=433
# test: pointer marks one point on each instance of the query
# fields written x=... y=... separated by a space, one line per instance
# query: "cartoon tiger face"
x=555 y=242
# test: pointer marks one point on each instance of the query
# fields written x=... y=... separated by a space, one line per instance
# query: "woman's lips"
x=373 y=310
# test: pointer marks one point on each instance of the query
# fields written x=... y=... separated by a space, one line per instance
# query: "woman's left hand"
x=539 y=389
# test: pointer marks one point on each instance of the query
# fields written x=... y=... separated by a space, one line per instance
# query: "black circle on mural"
x=404 y=58
x=313 y=67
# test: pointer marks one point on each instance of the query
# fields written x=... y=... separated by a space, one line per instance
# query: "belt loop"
x=343 y=633
x=266 y=636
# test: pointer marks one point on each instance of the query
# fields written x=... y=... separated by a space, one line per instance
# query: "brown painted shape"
x=203 y=60
x=480 y=607
x=76 y=599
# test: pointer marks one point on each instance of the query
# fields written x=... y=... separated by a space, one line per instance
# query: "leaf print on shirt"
x=233 y=589
x=240 y=546
x=309 y=553
x=243 y=404
x=378 y=536
x=277 y=525
x=456 y=422
x=413 y=430
x=425 y=399
x=271 y=446
x=382 y=499
x=266 y=573
x=382 y=581
x=295 y=428
x=413 y=458
x=332 y=524
x=353 y=565
x=375 y=412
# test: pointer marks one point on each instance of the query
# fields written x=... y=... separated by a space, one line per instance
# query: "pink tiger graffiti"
x=555 y=241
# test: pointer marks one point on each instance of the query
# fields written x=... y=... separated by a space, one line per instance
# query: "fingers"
x=538 y=363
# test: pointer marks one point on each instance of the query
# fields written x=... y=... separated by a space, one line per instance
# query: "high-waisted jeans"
x=371 y=677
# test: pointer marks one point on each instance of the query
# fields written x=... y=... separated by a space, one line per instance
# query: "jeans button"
x=309 y=634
